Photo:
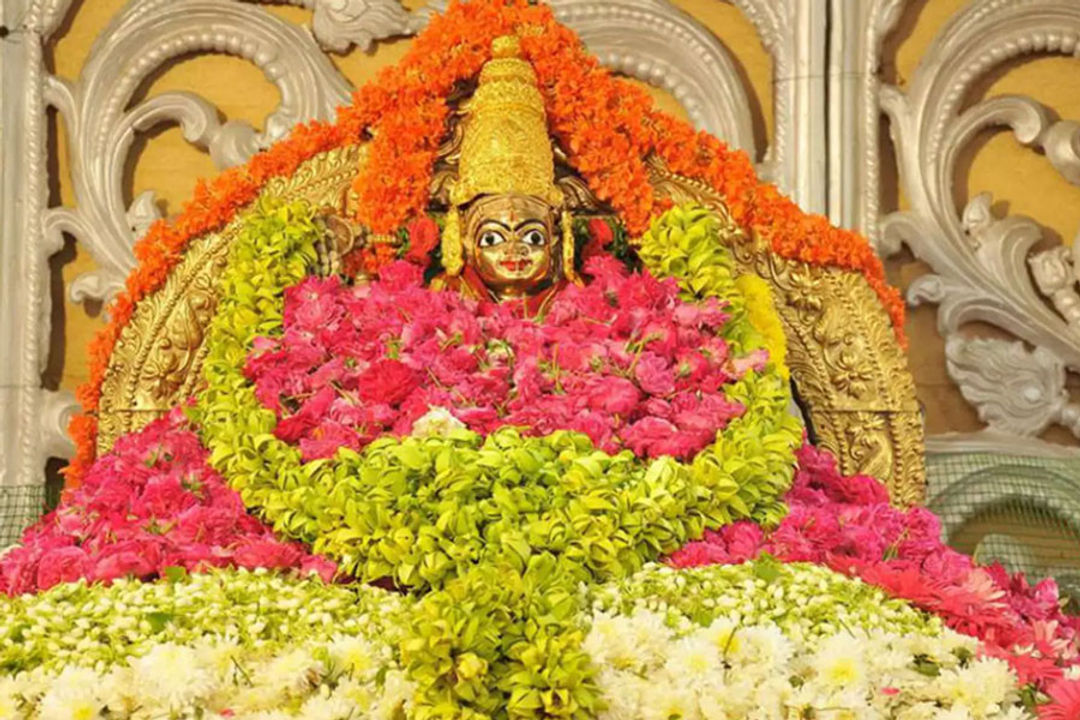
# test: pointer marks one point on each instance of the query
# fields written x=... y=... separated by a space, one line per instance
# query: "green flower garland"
x=505 y=526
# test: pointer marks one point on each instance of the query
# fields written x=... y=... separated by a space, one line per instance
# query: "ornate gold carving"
x=506 y=148
x=157 y=360
x=843 y=355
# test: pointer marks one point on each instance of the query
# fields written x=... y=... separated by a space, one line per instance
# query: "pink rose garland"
x=150 y=504
x=622 y=360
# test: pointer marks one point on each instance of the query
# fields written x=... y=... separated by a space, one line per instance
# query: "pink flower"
x=387 y=382
x=604 y=354
x=151 y=503
x=654 y=375
x=268 y=553
x=612 y=394
x=64 y=564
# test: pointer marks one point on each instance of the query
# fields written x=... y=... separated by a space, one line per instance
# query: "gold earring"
x=451 y=244
x=568 y=261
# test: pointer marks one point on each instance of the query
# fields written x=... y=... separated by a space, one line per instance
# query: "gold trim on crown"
x=506 y=148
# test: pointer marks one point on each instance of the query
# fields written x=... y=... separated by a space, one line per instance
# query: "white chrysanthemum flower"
x=219 y=656
x=981 y=687
x=397 y=694
x=119 y=691
x=332 y=707
x=665 y=701
x=354 y=655
x=694 y=659
x=625 y=643
x=763 y=645
x=169 y=675
x=622 y=692
x=360 y=696
x=840 y=663
x=10 y=692
x=726 y=637
x=293 y=673
x=73 y=696
x=436 y=422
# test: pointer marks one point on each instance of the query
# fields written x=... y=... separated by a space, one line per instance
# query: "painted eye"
x=534 y=237
x=490 y=238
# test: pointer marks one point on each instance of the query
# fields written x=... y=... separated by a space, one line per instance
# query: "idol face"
x=510 y=242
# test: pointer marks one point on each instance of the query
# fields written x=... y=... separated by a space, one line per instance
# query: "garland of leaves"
x=498 y=530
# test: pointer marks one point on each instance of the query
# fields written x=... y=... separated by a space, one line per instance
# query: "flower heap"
x=622 y=360
x=209 y=645
x=151 y=504
x=846 y=523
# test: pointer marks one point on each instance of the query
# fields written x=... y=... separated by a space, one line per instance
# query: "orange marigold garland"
x=606 y=125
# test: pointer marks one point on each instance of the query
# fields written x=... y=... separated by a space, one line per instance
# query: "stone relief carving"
x=103 y=125
x=983 y=266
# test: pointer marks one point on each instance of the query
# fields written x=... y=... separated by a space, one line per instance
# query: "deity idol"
x=518 y=466
x=507 y=213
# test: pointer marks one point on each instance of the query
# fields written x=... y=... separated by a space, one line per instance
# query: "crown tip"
x=507 y=46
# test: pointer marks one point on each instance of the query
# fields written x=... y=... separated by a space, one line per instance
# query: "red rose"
x=600 y=236
x=387 y=381
x=600 y=232
x=423 y=237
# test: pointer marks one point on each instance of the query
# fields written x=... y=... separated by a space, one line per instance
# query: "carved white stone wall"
x=31 y=418
x=983 y=266
x=647 y=39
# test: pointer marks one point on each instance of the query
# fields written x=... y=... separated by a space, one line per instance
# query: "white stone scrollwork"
x=1014 y=389
x=981 y=262
x=338 y=24
x=102 y=126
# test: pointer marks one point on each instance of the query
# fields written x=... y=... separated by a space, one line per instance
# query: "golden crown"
x=506 y=148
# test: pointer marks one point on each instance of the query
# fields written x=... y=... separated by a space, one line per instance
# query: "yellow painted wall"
x=1019 y=179
x=1021 y=182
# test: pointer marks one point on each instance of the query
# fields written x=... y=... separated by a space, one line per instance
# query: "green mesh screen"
x=20 y=505
x=1021 y=511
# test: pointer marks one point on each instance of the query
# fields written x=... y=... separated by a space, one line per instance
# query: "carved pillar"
x=33 y=419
